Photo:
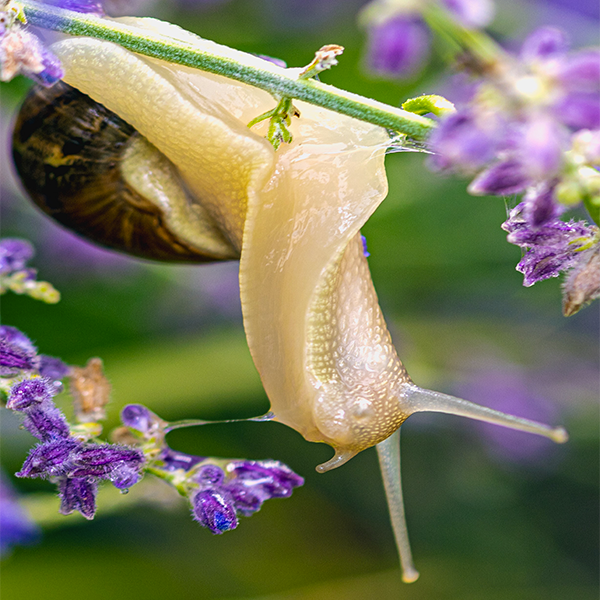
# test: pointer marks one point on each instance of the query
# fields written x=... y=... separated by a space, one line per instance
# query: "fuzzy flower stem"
x=223 y=61
x=460 y=39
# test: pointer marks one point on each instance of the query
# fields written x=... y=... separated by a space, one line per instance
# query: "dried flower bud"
x=582 y=285
x=90 y=390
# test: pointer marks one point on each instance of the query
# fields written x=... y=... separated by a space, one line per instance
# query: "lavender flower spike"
x=211 y=509
x=78 y=466
x=77 y=494
x=239 y=489
x=551 y=248
x=33 y=398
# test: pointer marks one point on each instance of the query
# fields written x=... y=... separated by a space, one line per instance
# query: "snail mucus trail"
x=312 y=319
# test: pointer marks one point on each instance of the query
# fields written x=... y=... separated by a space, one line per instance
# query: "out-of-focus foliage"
x=486 y=522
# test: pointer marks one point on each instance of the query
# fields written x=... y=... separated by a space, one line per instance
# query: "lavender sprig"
x=532 y=126
x=219 y=490
x=16 y=276
x=75 y=465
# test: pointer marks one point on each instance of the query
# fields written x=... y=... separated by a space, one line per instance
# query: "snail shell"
x=92 y=172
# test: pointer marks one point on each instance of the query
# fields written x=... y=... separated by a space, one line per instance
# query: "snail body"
x=311 y=314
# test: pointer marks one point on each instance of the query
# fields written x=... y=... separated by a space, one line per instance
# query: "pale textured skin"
x=312 y=318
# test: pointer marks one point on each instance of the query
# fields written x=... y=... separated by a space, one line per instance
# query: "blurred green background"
x=491 y=515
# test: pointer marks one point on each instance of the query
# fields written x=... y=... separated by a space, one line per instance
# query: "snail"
x=185 y=164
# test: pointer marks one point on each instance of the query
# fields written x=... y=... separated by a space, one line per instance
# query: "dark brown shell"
x=67 y=150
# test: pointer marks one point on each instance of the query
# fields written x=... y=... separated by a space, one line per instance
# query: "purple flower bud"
x=209 y=476
x=363 y=239
x=174 y=460
x=13 y=358
x=50 y=459
x=544 y=43
x=52 y=368
x=29 y=392
x=140 y=418
x=14 y=254
x=461 y=142
x=271 y=477
x=247 y=499
x=503 y=178
x=77 y=494
x=211 y=509
x=579 y=110
x=15 y=525
x=540 y=206
x=471 y=13
x=107 y=461
x=46 y=422
x=398 y=47
x=13 y=336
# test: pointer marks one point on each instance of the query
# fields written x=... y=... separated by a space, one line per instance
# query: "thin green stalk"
x=234 y=65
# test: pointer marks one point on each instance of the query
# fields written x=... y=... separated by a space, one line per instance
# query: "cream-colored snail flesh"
x=312 y=319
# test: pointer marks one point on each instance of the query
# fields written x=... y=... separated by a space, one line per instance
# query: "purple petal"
x=174 y=460
x=25 y=394
x=541 y=147
x=552 y=248
x=363 y=239
x=13 y=358
x=581 y=71
x=52 y=368
x=46 y=422
x=16 y=337
x=471 y=13
x=579 y=110
x=209 y=476
x=544 y=43
x=540 y=206
x=14 y=254
x=273 y=60
x=503 y=178
x=77 y=494
x=273 y=478
x=84 y=6
x=104 y=460
x=211 y=509
x=142 y=419
x=247 y=500
x=49 y=459
x=461 y=143
x=398 y=47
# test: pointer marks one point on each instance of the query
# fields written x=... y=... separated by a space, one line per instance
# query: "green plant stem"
x=234 y=65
